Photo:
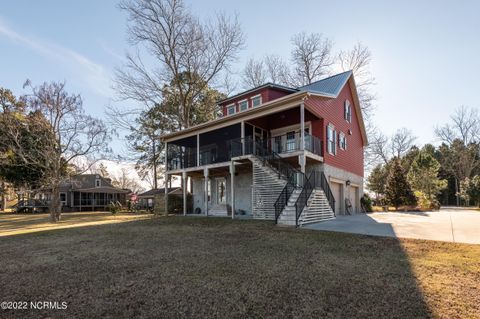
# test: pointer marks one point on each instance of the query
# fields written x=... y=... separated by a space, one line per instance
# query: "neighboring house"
x=88 y=192
x=293 y=155
x=146 y=200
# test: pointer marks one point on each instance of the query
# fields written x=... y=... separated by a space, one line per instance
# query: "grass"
x=184 y=267
x=16 y=224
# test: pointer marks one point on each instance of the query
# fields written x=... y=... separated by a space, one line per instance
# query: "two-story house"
x=293 y=155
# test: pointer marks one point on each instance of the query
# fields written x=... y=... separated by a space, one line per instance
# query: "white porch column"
x=243 y=136
x=302 y=126
x=198 y=149
x=301 y=158
x=205 y=189
x=184 y=188
x=167 y=177
x=232 y=188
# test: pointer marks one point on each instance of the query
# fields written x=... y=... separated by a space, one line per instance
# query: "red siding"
x=268 y=94
x=331 y=110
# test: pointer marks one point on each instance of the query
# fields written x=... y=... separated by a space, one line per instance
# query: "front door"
x=221 y=190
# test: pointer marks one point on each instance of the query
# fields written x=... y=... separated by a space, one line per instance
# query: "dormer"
x=254 y=98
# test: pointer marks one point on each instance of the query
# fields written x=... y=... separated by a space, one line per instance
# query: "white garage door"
x=336 y=190
x=354 y=199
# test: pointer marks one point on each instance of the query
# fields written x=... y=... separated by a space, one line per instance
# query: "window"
x=98 y=183
x=347 y=111
x=243 y=105
x=331 y=140
x=277 y=145
x=256 y=100
x=290 y=141
x=342 y=141
x=63 y=198
x=230 y=109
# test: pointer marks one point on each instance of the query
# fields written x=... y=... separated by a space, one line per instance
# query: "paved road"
x=450 y=224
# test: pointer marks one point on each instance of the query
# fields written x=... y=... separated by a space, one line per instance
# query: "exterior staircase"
x=317 y=210
x=267 y=185
x=278 y=189
x=218 y=210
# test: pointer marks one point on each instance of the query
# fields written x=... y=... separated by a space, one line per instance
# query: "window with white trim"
x=98 y=182
x=243 y=105
x=331 y=140
x=342 y=141
x=231 y=109
x=347 y=111
x=63 y=198
x=256 y=100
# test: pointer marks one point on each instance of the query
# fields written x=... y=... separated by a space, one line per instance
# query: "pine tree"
x=398 y=191
x=423 y=178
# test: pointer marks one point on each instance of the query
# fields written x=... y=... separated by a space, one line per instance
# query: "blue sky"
x=425 y=53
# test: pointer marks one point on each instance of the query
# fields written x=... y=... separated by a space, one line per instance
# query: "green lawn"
x=183 y=267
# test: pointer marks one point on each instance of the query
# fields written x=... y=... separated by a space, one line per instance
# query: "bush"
x=114 y=208
x=366 y=203
x=424 y=203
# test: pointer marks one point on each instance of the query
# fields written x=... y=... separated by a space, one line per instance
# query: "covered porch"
x=288 y=133
x=97 y=198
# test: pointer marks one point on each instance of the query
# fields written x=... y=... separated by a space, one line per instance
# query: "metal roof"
x=328 y=86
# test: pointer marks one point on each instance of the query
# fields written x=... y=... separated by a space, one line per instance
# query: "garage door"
x=336 y=190
x=354 y=199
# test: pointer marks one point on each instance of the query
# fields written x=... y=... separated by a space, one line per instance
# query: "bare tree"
x=124 y=181
x=271 y=68
x=278 y=70
x=358 y=60
x=311 y=56
x=401 y=142
x=254 y=73
x=382 y=148
x=465 y=126
x=378 y=149
x=181 y=46
x=73 y=138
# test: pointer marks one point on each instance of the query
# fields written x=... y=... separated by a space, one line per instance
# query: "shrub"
x=366 y=203
x=426 y=203
x=114 y=208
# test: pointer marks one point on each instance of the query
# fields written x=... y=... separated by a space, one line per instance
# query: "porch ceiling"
x=281 y=119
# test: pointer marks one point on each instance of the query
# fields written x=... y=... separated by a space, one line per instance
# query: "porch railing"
x=94 y=202
x=179 y=157
x=291 y=142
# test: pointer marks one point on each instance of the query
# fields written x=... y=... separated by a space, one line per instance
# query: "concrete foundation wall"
x=243 y=192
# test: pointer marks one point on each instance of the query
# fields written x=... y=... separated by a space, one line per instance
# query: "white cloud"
x=95 y=75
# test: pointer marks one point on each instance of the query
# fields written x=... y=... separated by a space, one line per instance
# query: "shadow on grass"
x=210 y=267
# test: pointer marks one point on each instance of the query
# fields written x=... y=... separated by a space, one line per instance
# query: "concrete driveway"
x=450 y=224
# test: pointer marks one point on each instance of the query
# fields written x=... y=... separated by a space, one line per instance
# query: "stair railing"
x=282 y=200
x=325 y=186
x=294 y=177
x=302 y=199
x=314 y=180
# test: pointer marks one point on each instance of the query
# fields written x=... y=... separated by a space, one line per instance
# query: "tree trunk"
x=4 y=196
x=55 y=205
x=456 y=192
x=155 y=186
